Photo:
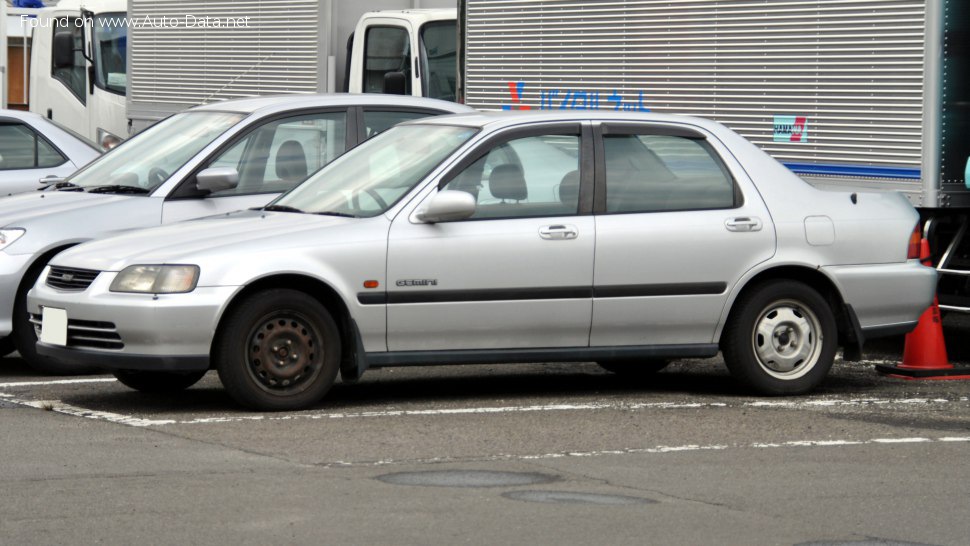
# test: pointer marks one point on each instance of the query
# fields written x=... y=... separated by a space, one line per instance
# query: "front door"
x=517 y=274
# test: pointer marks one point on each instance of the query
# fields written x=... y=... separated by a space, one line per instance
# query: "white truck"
x=862 y=95
x=185 y=53
x=76 y=72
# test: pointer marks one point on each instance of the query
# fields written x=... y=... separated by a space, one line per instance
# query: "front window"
x=22 y=148
x=144 y=162
x=439 y=62
x=73 y=77
x=111 y=52
x=386 y=50
x=372 y=177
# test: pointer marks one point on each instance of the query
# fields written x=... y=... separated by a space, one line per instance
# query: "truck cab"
x=79 y=75
x=407 y=52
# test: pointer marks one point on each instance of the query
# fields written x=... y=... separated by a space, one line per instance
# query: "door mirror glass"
x=448 y=206
x=216 y=179
x=63 y=54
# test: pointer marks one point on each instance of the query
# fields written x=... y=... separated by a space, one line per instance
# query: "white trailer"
x=78 y=74
x=864 y=95
x=185 y=53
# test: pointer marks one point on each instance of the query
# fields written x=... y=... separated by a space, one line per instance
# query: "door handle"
x=743 y=223
x=558 y=232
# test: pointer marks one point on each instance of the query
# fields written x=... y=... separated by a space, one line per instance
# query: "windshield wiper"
x=334 y=213
x=283 y=208
x=117 y=188
x=64 y=186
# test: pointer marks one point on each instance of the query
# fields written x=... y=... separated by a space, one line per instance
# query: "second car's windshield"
x=369 y=179
x=146 y=160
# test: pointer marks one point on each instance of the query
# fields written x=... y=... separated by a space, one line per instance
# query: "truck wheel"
x=278 y=350
x=781 y=339
x=158 y=382
x=634 y=368
x=25 y=338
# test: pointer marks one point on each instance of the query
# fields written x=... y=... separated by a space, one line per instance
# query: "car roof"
x=495 y=120
x=274 y=103
x=21 y=115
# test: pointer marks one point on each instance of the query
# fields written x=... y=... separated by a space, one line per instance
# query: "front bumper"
x=887 y=299
x=133 y=331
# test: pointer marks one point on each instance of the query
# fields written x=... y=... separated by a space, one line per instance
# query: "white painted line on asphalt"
x=56 y=382
x=901 y=440
x=57 y=406
x=955 y=439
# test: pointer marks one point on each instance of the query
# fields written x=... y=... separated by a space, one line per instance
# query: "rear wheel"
x=781 y=339
x=279 y=350
x=634 y=368
x=158 y=382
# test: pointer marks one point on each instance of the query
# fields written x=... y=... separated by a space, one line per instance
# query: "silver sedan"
x=33 y=147
x=624 y=239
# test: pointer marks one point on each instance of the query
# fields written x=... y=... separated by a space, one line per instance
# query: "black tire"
x=6 y=346
x=634 y=368
x=25 y=337
x=278 y=350
x=158 y=382
x=781 y=338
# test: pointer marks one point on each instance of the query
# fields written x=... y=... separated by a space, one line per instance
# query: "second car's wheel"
x=781 y=338
x=634 y=368
x=25 y=337
x=158 y=382
x=278 y=350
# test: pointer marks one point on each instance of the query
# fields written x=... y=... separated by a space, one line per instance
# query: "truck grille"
x=87 y=334
x=67 y=278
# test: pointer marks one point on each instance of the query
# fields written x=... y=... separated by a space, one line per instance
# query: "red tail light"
x=912 y=253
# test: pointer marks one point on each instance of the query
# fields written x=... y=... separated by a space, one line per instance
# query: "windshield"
x=110 y=45
x=372 y=177
x=147 y=159
x=438 y=60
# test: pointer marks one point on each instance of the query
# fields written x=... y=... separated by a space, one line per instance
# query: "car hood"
x=239 y=233
x=17 y=210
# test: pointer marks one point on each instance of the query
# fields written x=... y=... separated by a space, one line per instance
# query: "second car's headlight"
x=8 y=236
x=157 y=279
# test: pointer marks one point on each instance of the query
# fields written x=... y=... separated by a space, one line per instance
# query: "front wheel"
x=158 y=382
x=781 y=339
x=278 y=350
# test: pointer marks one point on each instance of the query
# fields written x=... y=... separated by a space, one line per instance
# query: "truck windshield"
x=438 y=60
x=110 y=44
x=146 y=160
x=371 y=178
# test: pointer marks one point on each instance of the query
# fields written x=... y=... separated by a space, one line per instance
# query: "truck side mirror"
x=216 y=179
x=395 y=83
x=63 y=52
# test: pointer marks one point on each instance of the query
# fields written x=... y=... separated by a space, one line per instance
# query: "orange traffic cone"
x=924 y=355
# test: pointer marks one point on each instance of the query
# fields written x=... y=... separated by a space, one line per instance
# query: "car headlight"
x=8 y=236
x=156 y=279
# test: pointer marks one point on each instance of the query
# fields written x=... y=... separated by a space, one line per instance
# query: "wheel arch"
x=846 y=323
x=321 y=291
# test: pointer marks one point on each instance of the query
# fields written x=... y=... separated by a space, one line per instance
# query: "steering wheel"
x=355 y=200
x=157 y=176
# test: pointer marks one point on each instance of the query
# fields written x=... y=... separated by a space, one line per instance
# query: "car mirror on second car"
x=447 y=206
x=215 y=179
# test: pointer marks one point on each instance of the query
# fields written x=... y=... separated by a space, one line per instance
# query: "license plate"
x=53 y=326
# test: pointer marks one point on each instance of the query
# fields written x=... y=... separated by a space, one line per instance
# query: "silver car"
x=624 y=239
x=209 y=160
x=33 y=147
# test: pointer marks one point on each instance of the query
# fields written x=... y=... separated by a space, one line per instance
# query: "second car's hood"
x=239 y=234
x=17 y=210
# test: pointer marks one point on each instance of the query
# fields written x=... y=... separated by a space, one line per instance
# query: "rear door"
x=677 y=225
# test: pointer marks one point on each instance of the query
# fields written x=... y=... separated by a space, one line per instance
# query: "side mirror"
x=63 y=52
x=447 y=206
x=51 y=180
x=395 y=83
x=216 y=179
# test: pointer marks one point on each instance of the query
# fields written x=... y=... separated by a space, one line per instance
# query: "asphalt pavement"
x=516 y=454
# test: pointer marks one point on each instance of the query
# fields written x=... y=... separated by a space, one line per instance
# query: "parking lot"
x=540 y=453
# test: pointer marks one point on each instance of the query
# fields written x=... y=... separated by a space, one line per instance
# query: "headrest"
x=507 y=182
x=569 y=189
x=291 y=162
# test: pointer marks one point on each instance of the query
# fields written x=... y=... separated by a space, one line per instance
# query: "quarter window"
x=655 y=173
x=277 y=156
x=22 y=148
x=525 y=177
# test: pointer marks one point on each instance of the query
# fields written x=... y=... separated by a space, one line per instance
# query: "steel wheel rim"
x=284 y=352
x=787 y=339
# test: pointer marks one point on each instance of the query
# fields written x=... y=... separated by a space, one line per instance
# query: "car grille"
x=67 y=278
x=87 y=334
